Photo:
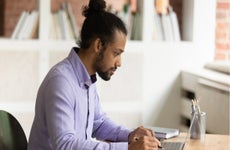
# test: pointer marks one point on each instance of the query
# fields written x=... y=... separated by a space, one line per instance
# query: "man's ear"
x=97 y=45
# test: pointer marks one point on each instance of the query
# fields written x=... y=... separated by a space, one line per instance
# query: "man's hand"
x=142 y=139
x=140 y=132
x=144 y=143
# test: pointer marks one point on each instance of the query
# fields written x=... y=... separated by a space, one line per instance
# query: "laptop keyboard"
x=172 y=146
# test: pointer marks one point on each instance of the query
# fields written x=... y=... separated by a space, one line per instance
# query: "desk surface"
x=212 y=142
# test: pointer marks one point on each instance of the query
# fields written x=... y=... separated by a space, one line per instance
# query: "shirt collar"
x=93 y=79
x=85 y=80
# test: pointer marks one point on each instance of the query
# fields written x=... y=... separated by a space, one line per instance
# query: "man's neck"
x=87 y=59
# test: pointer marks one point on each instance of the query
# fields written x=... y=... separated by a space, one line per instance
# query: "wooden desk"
x=212 y=142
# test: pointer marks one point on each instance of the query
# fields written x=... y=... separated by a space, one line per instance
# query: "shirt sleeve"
x=106 y=129
x=59 y=103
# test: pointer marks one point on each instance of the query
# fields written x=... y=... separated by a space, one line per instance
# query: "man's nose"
x=118 y=62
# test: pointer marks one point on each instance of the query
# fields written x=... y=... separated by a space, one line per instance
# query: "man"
x=68 y=115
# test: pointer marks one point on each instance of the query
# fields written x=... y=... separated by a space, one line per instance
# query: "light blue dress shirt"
x=68 y=114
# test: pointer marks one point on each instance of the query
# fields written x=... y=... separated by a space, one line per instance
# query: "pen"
x=193 y=106
x=160 y=146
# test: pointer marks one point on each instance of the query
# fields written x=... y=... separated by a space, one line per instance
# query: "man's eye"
x=116 y=53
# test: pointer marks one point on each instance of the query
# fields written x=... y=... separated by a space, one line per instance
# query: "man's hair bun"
x=95 y=6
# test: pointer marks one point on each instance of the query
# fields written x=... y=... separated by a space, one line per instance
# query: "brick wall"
x=2 y=3
x=222 y=30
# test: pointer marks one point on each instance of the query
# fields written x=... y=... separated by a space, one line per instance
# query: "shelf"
x=19 y=45
x=211 y=75
x=189 y=16
x=35 y=45
x=63 y=45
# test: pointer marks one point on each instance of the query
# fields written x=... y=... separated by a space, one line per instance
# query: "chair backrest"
x=12 y=136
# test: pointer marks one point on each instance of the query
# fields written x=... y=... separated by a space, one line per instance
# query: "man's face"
x=110 y=58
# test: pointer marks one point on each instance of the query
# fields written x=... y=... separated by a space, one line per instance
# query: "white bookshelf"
x=153 y=66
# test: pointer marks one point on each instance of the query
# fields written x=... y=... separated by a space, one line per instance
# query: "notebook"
x=164 y=133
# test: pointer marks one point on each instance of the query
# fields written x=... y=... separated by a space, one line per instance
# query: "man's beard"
x=105 y=75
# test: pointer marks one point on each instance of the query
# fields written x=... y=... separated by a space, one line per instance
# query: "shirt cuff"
x=119 y=145
x=123 y=135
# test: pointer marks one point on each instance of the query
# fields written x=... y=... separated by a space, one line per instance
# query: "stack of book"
x=131 y=16
x=27 y=26
x=63 y=24
x=164 y=133
x=166 y=27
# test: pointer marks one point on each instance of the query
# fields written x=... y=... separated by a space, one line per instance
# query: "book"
x=53 y=26
x=33 y=30
x=19 y=25
x=175 y=25
x=127 y=16
x=72 y=20
x=23 y=31
x=63 y=24
x=69 y=33
x=167 y=27
x=57 y=27
x=157 y=27
x=162 y=6
x=165 y=133
x=62 y=18
x=136 y=27
x=29 y=27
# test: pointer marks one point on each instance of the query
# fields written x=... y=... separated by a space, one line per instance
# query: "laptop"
x=173 y=145
x=176 y=145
